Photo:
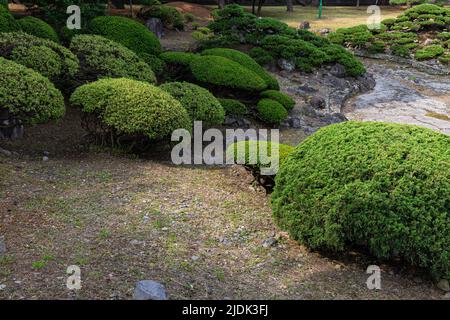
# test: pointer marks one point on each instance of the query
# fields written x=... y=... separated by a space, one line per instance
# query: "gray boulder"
x=149 y=290
x=155 y=25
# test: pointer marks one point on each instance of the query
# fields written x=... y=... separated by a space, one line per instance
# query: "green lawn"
x=332 y=17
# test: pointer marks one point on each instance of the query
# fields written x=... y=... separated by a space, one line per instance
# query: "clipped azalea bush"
x=378 y=186
x=177 y=64
x=271 y=111
x=131 y=107
x=128 y=32
x=247 y=62
x=233 y=107
x=170 y=17
x=42 y=55
x=286 y=101
x=27 y=95
x=7 y=21
x=38 y=27
x=220 y=71
x=199 y=102
x=100 y=57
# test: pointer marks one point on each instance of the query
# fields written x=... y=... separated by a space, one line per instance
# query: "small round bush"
x=246 y=61
x=220 y=71
x=43 y=55
x=101 y=57
x=7 y=21
x=429 y=52
x=286 y=101
x=170 y=16
x=178 y=58
x=130 y=33
x=261 y=56
x=28 y=95
x=271 y=111
x=132 y=107
x=384 y=187
x=38 y=27
x=233 y=107
x=199 y=102
x=154 y=62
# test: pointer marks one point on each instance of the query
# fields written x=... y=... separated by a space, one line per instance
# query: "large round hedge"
x=220 y=71
x=199 y=102
x=42 y=55
x=246 y=61
x=130 y=33
x=132 y=107
x=7 y=21
x=100 y=57
x=28 y=95
x=385 y=187
x=38 y=27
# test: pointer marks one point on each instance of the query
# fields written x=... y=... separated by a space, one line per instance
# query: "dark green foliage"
x=384 y=187
x=233 y=107
x=7 y=21
x=199 y=102
x=155 y=63
x=177 y=64
x=357 y=36
x=132 y=34
x=101 y=57
x=38 y=28
x=132 y=107
x=220 y=71
x=286 y=101
x=271 y=111
x=429 y=52
x=261 y=56
x=336 y=53
x=28 y=95
x=246 y=61
x=377 y=46
x=170 y=17
x=43 y=55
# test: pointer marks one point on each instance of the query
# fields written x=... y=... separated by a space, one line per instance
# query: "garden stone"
x=5 y=152
x=2 y=247
x=286 y=65
x=155 y=25
x=427 y=42
x=317 y=102
x=269 y=242
x=304 y=25
x=443 y=285
x=149 y=290
x=338 y=70
x=324 y=31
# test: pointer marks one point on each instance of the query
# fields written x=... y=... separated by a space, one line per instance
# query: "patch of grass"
x=219 y=274
x=105 y=233
x=38 y=265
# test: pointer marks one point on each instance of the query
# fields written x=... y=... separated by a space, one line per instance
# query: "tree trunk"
x=221 y=4
x=118 y=4
x=253 y=6
x=290 y=6
x=260 y=5
x=357 y=3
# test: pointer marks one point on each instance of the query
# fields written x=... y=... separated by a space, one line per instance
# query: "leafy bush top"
x=25 y=48
x=132 y=107
x=101 y=57
x=382 y=186
x=130 y=33
x=199 y=102
x=429 y=52
x=246 y=61
x=38 y=28
x=281 y=97
x=7 y=21
x=28 y=95
x=271 y=111
x=233 y=107
x=220 y=71
x=170 y=16
x=180 y=58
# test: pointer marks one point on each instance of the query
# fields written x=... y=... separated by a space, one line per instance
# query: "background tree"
x=289 y=5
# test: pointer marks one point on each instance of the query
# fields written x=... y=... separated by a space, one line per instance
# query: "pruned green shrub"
x=130 y=33
x=132 y=107
x=337 y=54
x=377 y=46
x=202 y=34
x=384 y=187
x=246 y=61
x=286 y=101
x=177 y=64
x=271 y=111
x=28 y=95
x=38 y=28
x=199 y=102
x=155 y=63
x=7 y=21
x=445 y=58
x=261 y=56
x=101 y=57
x=429 y=52
x=220 y=71
x=170 y=16
x=43 y=55
x=233 y=107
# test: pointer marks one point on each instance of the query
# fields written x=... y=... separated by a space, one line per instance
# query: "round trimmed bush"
x=178 y=58
x=199 y=102
x=42 y=55
x=246 y=61
x=132 y=107
x=170 y=16
x=220 y=71
x=28 y=95
x=286 y=101
x=130 y=33
x=38 y=27
x=271 y=111
x=384 y=187
x=101 y=57
x=233 y=107
x=154 y=62
x=429 y=52
x=7 y=21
